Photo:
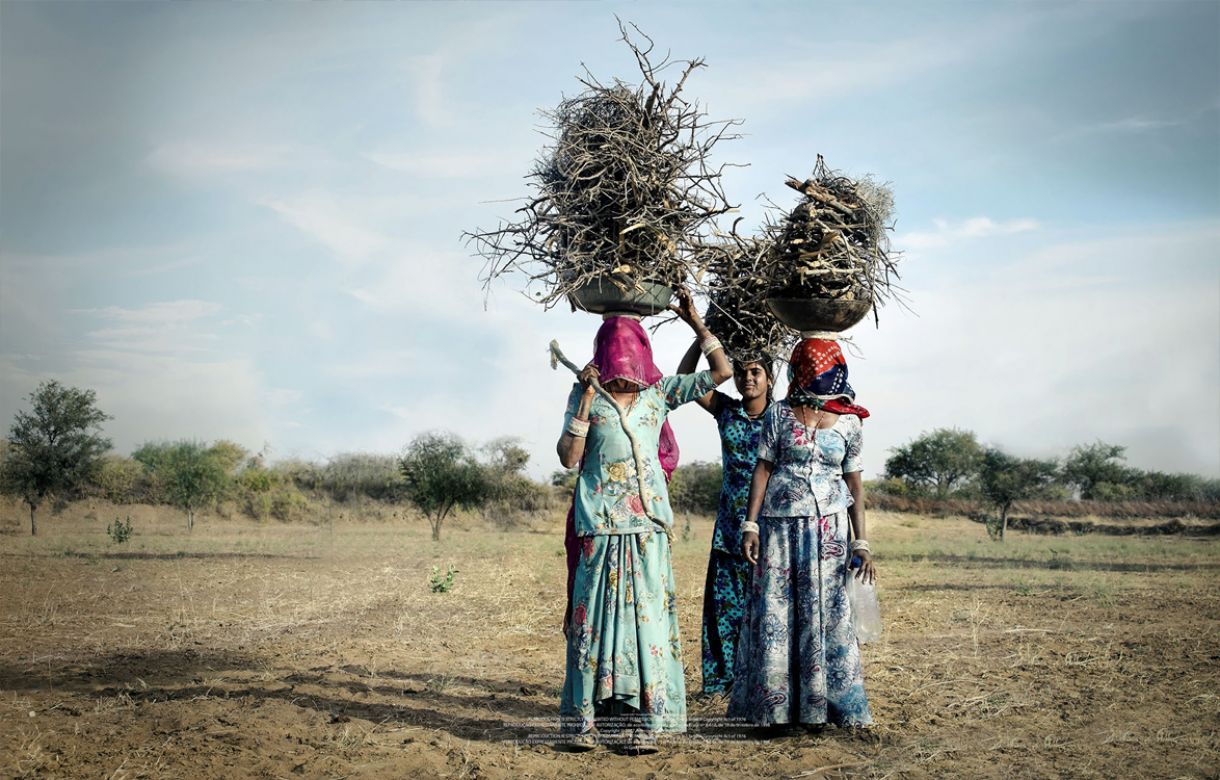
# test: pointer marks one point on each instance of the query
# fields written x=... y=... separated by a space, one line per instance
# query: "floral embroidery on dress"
x=809 y=465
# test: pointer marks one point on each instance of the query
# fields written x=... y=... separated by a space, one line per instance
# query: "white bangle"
x=749 y=527
x=578 y=427
x=710 y=345
x=860 y=544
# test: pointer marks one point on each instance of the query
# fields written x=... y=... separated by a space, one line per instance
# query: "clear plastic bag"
x=865 y=609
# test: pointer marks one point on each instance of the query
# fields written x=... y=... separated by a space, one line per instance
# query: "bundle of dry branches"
x=834 y=243
x=622 y=193
x=737 y=286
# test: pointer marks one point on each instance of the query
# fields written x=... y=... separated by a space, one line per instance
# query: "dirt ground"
x=274 y=651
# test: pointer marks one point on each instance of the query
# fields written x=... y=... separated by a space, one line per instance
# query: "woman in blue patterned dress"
x=728 y=572
x=798 y=661
x=624 y=659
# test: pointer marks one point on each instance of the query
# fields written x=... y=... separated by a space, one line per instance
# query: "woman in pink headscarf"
x=624 y=660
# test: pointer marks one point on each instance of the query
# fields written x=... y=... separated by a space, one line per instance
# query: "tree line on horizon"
x=56 y=452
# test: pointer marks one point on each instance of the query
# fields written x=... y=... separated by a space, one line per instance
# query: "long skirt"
x=624 y=652
x=798 y=660
x=724 y=599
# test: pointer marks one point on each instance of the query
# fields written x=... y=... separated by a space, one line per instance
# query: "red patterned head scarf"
x=817 y=376
x=621 y=350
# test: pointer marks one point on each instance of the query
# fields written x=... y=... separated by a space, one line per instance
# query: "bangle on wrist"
x=749 y=527
x=860 y=544
x=578 y=427
x=710 y=345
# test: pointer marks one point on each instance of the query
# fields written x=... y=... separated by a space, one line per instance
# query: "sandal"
x=640 y=742
x=582 y=742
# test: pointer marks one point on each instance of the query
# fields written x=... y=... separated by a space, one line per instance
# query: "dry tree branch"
x=835 y=242
x=623 y=192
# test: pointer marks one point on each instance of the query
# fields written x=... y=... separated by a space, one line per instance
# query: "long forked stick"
x=558 y=357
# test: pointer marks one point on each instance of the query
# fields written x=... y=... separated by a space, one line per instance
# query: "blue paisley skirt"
x=798 y=660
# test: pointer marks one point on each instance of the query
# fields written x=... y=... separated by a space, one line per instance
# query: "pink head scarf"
x=621 y=350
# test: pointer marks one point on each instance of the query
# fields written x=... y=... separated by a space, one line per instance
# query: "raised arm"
x=717 y=361
x=571 y=445
x=710 y=401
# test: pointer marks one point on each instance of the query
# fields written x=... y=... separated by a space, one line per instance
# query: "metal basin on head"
x=602 y=296
x=830 y=314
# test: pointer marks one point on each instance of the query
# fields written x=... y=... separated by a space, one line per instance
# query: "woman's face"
x=751 y=380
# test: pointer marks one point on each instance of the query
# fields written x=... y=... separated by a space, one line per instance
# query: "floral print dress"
x=798 y=660
x=624 y=650
x=728 y=572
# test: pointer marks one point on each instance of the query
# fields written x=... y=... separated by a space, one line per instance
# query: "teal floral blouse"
x=607 y=493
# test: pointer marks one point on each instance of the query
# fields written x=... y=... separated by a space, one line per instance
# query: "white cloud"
x=166 y=313
x=1131 y=125
x=155 y=397
x=326 y=219
x=945 y=232
x=834 y=69
x=427 y=73
x=829 y=74
x=444 y=164
x=192 y=159
x=422 y=280
x=170 y=327
x=1047 y=348
x=283 y=397
x=376 y=364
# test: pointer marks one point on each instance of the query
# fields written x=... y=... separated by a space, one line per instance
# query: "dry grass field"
x=274 y=651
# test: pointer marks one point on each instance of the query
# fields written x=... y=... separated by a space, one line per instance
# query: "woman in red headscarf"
x=624 y=660
x=798 y=661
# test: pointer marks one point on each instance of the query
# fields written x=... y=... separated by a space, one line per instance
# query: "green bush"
x=191 y=475
x=565 y=478
x=302 y=473
x=695 y=487
x=440 y=584
x=121 y=480
x=256 y=479
x=287 y=504
x=119 y=531
x=354 y=475
x=893 y=486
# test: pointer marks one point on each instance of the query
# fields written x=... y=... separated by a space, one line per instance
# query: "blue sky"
x=243 y=220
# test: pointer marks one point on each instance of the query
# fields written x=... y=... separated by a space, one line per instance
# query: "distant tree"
x=356 y=474
x=506 y=455
x=941 y=461
x=1097 y=472
x=120 y=480
x=54 y=449
x=229 y=455
x=511 y=494
x=695 y=487
x=441 y=473
x=1159 y=486
x=190 y=475
x=565 y=478
x=1005 y=479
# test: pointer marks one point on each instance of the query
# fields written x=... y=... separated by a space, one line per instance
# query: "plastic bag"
x=864 y=608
